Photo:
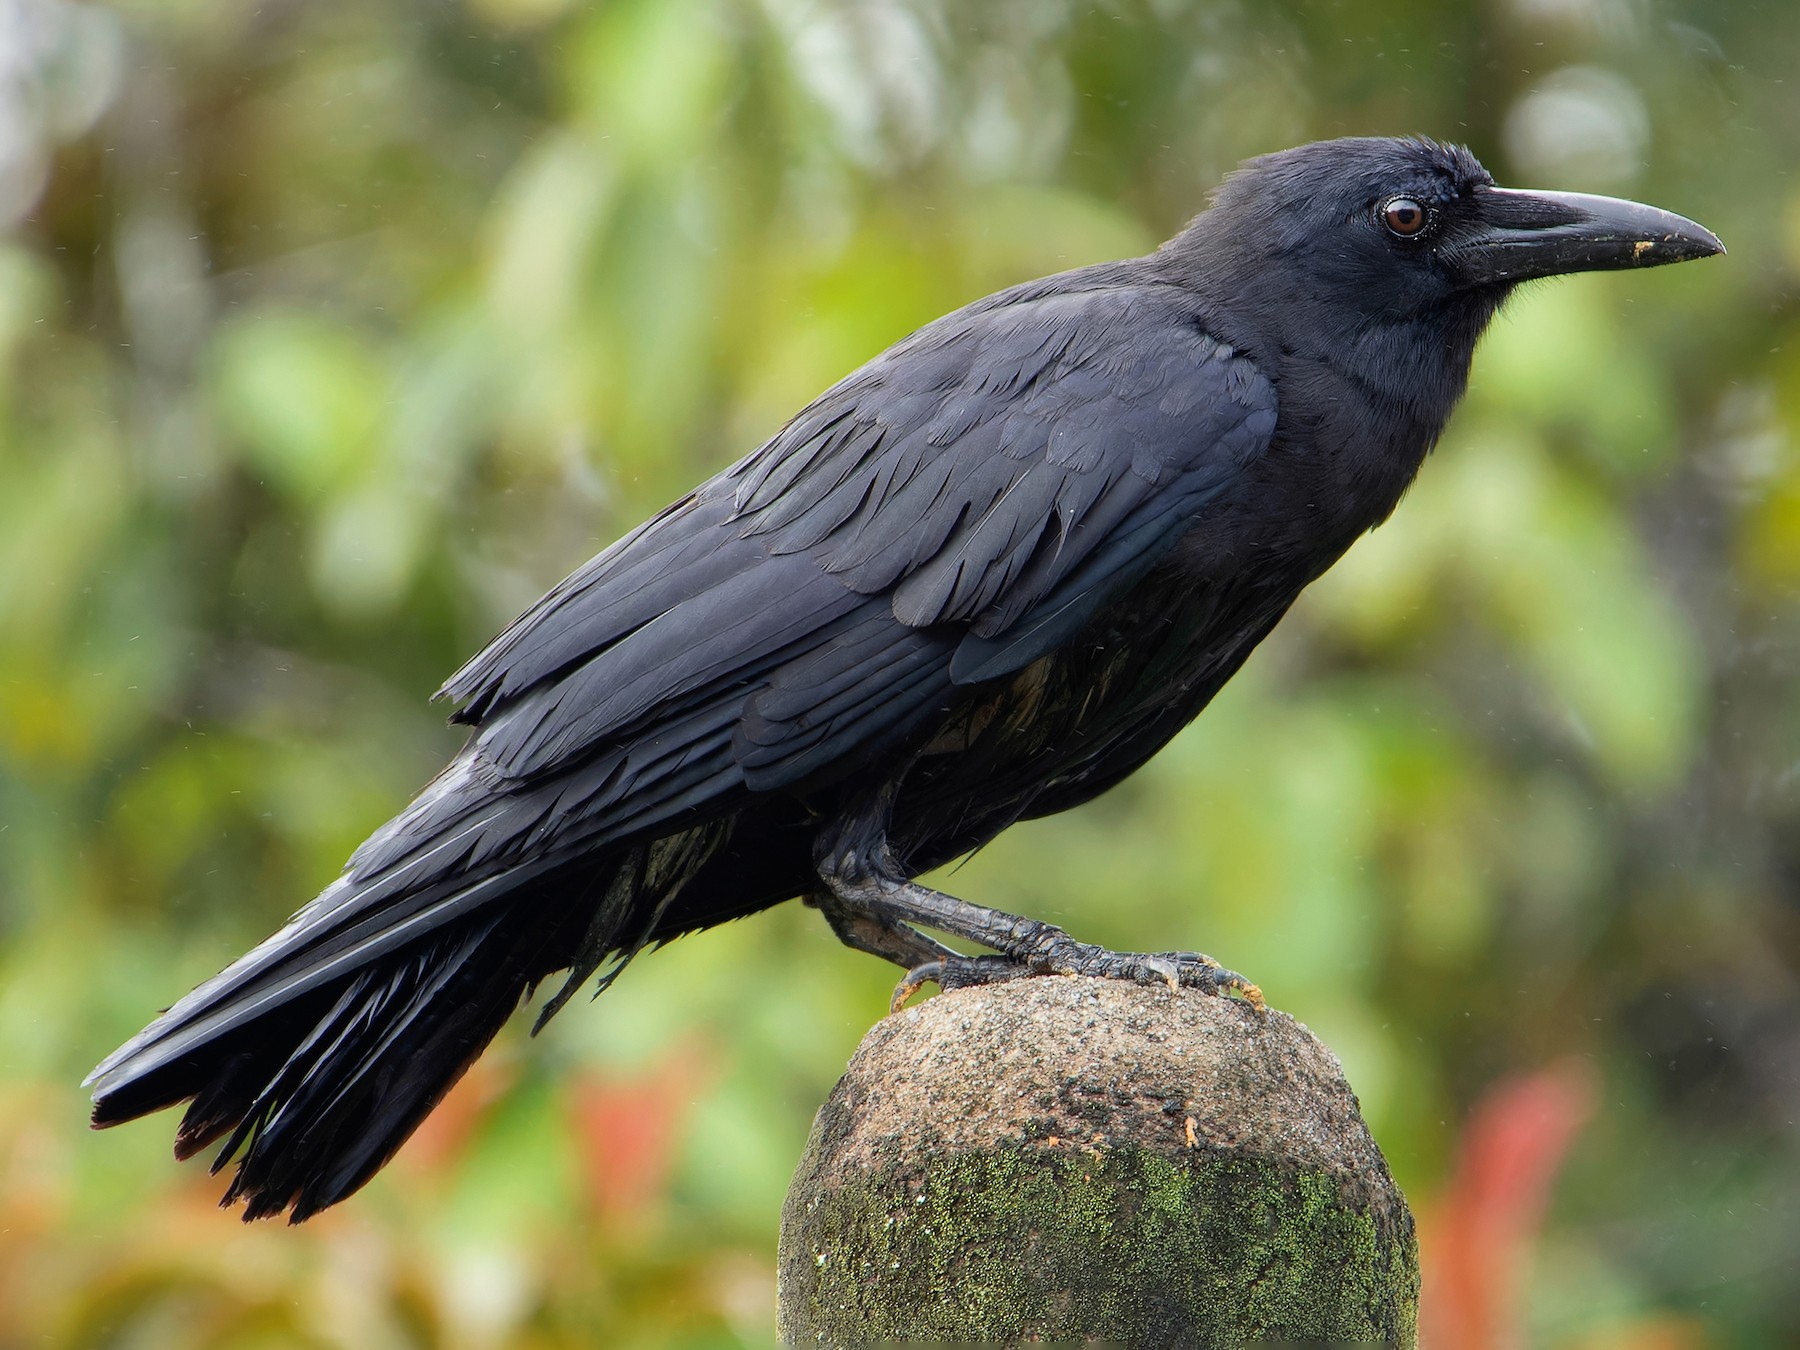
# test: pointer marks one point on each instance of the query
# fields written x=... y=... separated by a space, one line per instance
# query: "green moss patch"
x=1121 y=1243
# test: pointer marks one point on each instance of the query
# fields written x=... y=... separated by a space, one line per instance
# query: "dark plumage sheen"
x=982 y=578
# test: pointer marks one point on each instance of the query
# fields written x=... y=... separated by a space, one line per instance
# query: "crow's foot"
x=876 y=907
x=1051 y=951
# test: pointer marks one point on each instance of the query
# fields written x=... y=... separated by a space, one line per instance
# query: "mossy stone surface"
x=1063 y=1159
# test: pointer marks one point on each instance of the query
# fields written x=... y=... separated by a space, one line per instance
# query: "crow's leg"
x=868 y=931
x=924 y=959
x=873 y=905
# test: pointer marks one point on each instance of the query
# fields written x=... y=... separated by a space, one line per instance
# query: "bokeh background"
x=332 y=332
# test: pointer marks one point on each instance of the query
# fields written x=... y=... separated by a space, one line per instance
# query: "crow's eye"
x=1403 y=216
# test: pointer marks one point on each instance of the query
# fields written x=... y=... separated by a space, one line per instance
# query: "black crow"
x=980 y=579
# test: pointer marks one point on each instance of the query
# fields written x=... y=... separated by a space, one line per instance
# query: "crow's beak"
x=1543 y=234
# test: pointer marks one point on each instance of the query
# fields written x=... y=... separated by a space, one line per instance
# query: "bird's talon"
x=1250 y=994
x=915 y=979
x=1167 y=969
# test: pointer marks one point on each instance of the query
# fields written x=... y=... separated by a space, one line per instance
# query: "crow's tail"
x=315 y=1094
x=315 y=1056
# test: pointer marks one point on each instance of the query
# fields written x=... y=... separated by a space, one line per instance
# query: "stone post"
x=1067 y=1159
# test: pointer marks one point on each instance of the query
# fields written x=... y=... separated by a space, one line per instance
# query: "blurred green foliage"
x=331 y=333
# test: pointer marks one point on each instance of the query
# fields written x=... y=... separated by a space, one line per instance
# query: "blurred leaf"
x=304 y=395
x=652 y=74
x=1479 y=1238
x=1558 y=355
x=367 y=546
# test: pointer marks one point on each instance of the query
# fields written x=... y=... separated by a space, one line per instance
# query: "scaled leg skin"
x=878 y=935
x=872 y=904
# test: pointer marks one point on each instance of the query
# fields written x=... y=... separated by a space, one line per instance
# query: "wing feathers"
x=949 y=512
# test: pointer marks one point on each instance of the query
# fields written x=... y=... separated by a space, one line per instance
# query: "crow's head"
x=1395 y=252
x=1400 y=225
